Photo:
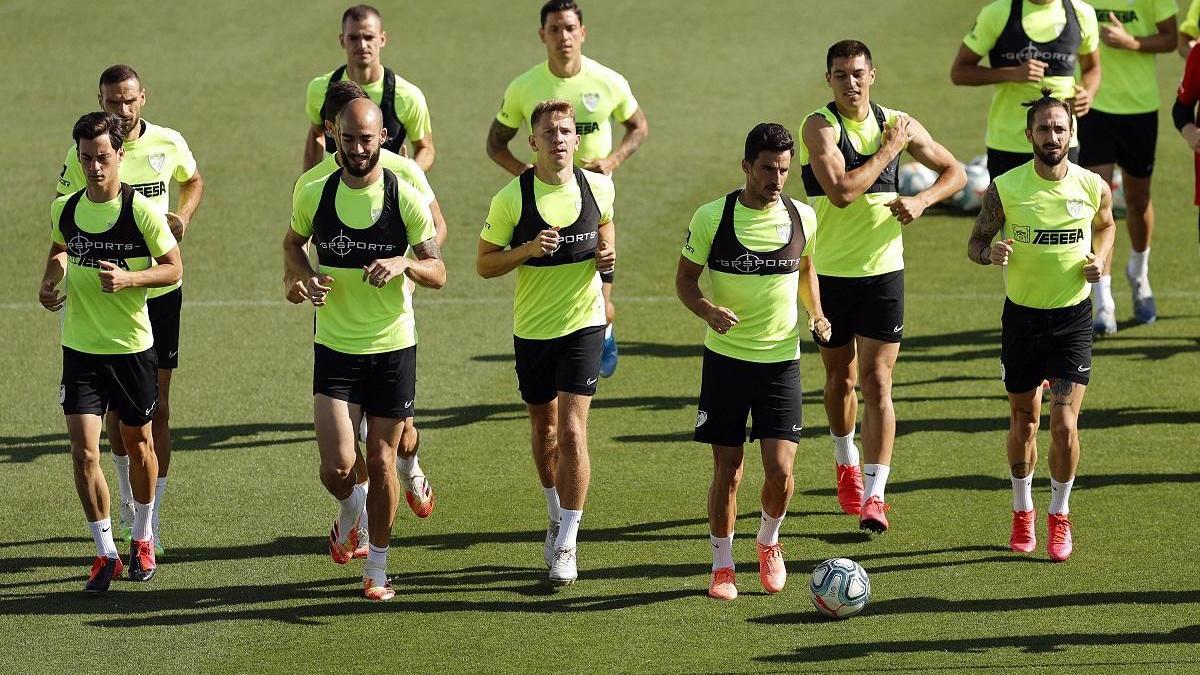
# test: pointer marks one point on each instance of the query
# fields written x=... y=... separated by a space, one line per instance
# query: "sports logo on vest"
x=342 y=245
x=80 y=247
x=1031 y=51
x=748 y=263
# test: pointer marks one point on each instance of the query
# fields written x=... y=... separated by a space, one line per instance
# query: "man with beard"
x=154 y=158
x=1058 y=231
x=362 y=218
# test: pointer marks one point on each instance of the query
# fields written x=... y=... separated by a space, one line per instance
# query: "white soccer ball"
x=915 y=177
x=970 y=197
x=840 y=588
x=1118 y=193
x=978 y=160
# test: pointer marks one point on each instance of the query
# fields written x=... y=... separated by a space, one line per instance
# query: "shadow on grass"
x=984 y=483
x=21 y=449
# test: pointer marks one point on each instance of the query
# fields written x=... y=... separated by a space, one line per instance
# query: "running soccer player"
x=598 y=94
x=362 y=219
x=554 y=225
x=1122 y=130
x=1183 y=114
x=154 y=157
x=405 y=113
x=1058 y=229
x=106 y=241
x=1030 y=44
x=756 y=243
x=849 y=158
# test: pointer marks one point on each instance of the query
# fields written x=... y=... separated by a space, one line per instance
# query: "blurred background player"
x=1189 y=30
x=598 y=94
x=1183 y=113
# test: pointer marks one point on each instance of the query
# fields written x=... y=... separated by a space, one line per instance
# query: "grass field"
x=247 y=586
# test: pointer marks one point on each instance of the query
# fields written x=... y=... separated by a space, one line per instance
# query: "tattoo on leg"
x=1062 y=391
x=1020 y=469
x=1026 y=413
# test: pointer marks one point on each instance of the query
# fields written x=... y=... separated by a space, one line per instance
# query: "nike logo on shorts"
x=899 y=328
x=796 y=427
x=1084 y=370
x=408 y=404
x=173 y=354
x=591 y=381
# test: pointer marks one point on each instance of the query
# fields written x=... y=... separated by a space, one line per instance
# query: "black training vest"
x=577 y=241
x=730 y=256
x=339 y=245
x=1014 y=45
x=887 y=181
x=122 y=240
x=395 y=129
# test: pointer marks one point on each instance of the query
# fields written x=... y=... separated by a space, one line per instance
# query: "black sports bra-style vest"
x=122 y=240
x=339 y=245
x=730 y=256
x=395 y=128
x=577 y=241
x=1014 y=46
x=887 y=181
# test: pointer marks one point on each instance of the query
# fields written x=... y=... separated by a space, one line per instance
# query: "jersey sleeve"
x=988 y=26
x=413 y=112
x=700 y=235
x=410 y=172
x=1165 y=9
x=626 y=104
x=503 y=215
x=185 y=162
x=1191 y=22
x=56 y=208
x=1189 y=87
x=1089 y=29
x=314 y=97
x=153 y=225
x=418 y=219
x=71 y=178
x=304 y=205
x=808 y=223
x=511 y=113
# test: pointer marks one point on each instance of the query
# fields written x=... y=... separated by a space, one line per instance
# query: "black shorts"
x=384 y=384
x=1125 y=140
x=871 y=307
x=570 y=364
x=732 y=390
x=94 y=383
x=1001 y=161
x=164 y=324
x=1045 y=344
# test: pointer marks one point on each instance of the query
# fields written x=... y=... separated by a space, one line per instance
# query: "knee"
x=728 y=472
x=162 y=412
x=1064 y=432
x=877 y=386
x=380 y=464
x=82 y=456
x=779 y=477
x=336 y=470
x=1022 y=427
x=840 y=382
x=573 y=439
x=409 y=440
x=1137 y=197
x=545 y=435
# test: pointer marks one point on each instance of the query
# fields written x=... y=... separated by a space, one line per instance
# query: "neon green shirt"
x=405 y=169
x=598 y=93
x=767 y=305
x=556 y=300
x=1006 y=118
x=411 y=109
x=1191 y=22
x=863 y=239
x=1130 y=83
x=1050 y=223
x=358 y=318
x=157 y=157
x=96 y=322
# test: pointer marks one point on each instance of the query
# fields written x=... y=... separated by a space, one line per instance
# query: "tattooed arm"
x=989 y=222
x=427 y=270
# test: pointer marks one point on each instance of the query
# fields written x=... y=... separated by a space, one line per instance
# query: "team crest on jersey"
x=375 y=213
x=784 y=230
x=1076 y=208
x=701 y=418
x=591 y=101
x=157 y=161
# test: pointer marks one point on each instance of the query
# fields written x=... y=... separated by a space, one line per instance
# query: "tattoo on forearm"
x=428 y=250
x=989 y=222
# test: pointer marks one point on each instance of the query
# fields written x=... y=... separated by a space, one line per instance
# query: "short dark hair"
x=95 y=124
x=555 y=6
x=770 y=137
x=359 y=13
x=846 y=49
x=1045 y=102
x=337 y=95
x=547 y=107
x=118 y=74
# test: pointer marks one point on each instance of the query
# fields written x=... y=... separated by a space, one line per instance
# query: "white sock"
x=362 y=519
x=722 y=551
x=1022 y=492
x=123 y=487
x=1138 y=266
x=409 y=466
x=376 y=567
x=553 y=511
x=1060 y=496
x=768 y=529
x=102 y=535
x=875 y=480
x=349 y=510
x=568 y=528
x=362 y=429
x=608 y=331
x=1102 y=293
x=142 y=513
x=160 y=486
x=844 y=450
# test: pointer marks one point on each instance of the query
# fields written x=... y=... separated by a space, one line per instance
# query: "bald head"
x=362 y=115
x=360 y=134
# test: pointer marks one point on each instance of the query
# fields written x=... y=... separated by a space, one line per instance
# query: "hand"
x=821 y=327
x=381 y=271
x=721 y=319
x=296 y=292
x=897 y=135
x=1186 y=47
x=545 y=244
x=604 y=165
x=1093 y=267
x=606 y=257
x=1191 y=134
x=49 y=297
x=1000 y=252
x=318 y=286
x=113 y=278
x=177 y=225
x=906 y=209
x=1082 y=101
x=1030 y=71
x=1114 y=34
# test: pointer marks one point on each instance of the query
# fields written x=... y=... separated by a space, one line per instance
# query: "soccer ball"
x=915 y=177
x=1118 y=193
x=970 y=197
x=840 y=588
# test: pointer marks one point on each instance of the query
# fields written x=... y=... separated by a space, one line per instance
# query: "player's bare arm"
x=295 y=257
x=56 y=270
x=951 y=177
x=1089 y=82
x=424 y=152
x=606 y=248
x=810 y=297
x=987 y=224
x=1103 y=233
x=168 y=271
x=841 y=186
x=428 y=269
x=314 y=147
x=1114 y=34
x=496 y=261
x=636 y=131
x=497 y=148
x=439 y=222
x=967 y=72
x=190 y=192
x=687 y=287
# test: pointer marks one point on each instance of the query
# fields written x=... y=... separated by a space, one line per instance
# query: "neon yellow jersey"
x=1130 y=83
x=358 y=318
x=767 y=305
x=558 y=300
x=1050 y=223
x=405 y=169
x=863 y=239
x=1191 y=22
x=411 y=109
x=599 y=94
x=157 y=157
x=1006 y=118
x=96 y=322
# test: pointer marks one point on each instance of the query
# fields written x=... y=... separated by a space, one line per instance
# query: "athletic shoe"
x=723 y=585
x=104 y=570
x=141 y=560
x=564 y=572
x=373 y=591
x=849 y=488
x=608 y=356
x=873 y=516
x=1144 y=308
x=125 y=515
x=1105 y=323
x=1023 y=539
x=342 y=552
x=419 y=495
x=771 y=570
x=364 y=543
x=1058 y=531
x=551 y=537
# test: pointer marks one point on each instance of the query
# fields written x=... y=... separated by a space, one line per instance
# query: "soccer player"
x=1030 y=44
x=1122 y=129
x=1058 y=229
x=362 y=218
x=849 y=158
x=756 y=243
x=106 y=239
x=598 y=95
x=154 y=157
x=554 y=225
x=1183 y=113
x=405 y=113
x=1189 y=30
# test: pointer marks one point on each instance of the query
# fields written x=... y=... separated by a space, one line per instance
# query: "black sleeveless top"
x=122 y=240
x=888 y=179
x=577 y=241
x=387 y=104
x=1014 y=45
x=339 y=245
x=728 y=255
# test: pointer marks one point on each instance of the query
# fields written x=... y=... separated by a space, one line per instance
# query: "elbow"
x=958 y=177
x=956 y=75
x=491 y=149
x=839 y=198
x=482 y=269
